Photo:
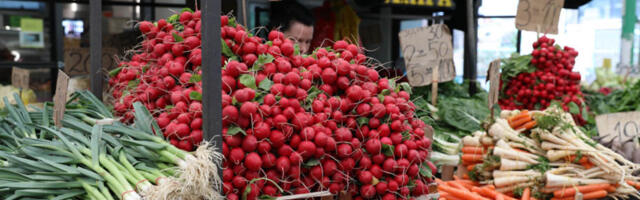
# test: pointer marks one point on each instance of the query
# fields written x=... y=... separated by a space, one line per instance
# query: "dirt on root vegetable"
x=292 y=123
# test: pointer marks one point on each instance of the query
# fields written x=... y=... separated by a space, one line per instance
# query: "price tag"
x=20 y=77
x=425 y=49
x=539 y=15
x=494 y=79
x=60 y=98
x=76 y=60
x=623 y=126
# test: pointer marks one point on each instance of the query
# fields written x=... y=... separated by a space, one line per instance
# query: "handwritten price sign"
x=622 y=126
x=76 y=60
x=539 y=15
x=428 y=54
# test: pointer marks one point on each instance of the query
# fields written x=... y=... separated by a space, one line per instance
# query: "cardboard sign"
x=425 y=49
x=76 y=60
x=494 y=79
x=539 y=15
x=20 y=77
x=622 y=126
x=60 y=98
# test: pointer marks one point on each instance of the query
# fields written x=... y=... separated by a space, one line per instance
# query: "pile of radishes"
x=550 y=79
x=293 y=123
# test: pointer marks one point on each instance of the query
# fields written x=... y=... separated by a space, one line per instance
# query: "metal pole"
x=470 y=71
x=95 y=46
x=628 y=25
x=211 y=74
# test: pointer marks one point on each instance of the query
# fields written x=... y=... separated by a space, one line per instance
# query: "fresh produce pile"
x=456 y=115
x=534 y=81
x=547 y=154
x=620 y=100
x=292 y=123
x=96 y=157
x=27 y=96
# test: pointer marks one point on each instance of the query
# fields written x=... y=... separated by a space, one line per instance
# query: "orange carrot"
x=500 y=197
x=520 y=121
x=518 y=116
x=472 y=158
x=634 y=184
x=571 y=191
x=470 y=167
x=490 y=192
x=455 y=177
x=611 y=189
x=595 y=195
x=526 y=194
x=458 y=185
x=472 y=150
x=463 y=194
x=528 y=125
x=466 y=177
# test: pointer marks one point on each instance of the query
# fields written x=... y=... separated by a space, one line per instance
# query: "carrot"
x=595 y=195
x=470 y=167
x=466 y=177
x=490 y=192
x=451 y=197
x=455 y=177
x=468 y=182
x=471 y=158
x=570 y=191
x=520 y=121
x=462 y=194
x=611 y=189
x=472 y=150
x=634 y=184
x=458 y=185
x=520 y=115
x=528 y=125
x=526 y=194
x=500 y=197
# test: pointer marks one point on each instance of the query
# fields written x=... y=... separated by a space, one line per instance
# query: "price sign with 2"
x=425 y=49
x=621 y=126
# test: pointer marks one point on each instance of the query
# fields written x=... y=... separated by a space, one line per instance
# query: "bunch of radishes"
x=292 y=123
x=547 y=78
x=163 y=74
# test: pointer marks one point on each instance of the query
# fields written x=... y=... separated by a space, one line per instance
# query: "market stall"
x=204 y=108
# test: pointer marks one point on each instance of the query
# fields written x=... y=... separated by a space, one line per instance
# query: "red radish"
x=236 y=155
x=283 y=164
x=253 y=161
x=249 y=143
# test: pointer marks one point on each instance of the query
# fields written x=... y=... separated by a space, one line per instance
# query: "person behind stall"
x=294 y=20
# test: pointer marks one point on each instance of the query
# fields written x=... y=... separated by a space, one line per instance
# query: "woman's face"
x=301 y=34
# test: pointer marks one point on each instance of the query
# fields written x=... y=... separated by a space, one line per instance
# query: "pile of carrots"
x=459 y=189
x=593 y=191
x=522 y=121
x=473 y=155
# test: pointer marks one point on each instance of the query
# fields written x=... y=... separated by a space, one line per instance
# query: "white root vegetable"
x=531 y=173
x=545 y=135
x=559 y=181
x=554 y=155
x=507 y=164
x=501 y=130
x=513 y=154
x=510 y=180
x=486 y=140
x=510 y=146
x=471 y=141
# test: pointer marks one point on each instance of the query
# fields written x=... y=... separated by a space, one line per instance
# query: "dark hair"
x=285 y=11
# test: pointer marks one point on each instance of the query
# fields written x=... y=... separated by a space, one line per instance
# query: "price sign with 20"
x=622 y=126
x=539 y=15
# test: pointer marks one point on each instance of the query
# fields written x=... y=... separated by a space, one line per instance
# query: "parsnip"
x=507 y=164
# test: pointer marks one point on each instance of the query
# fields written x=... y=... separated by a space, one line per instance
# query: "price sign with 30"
x=539 y=15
